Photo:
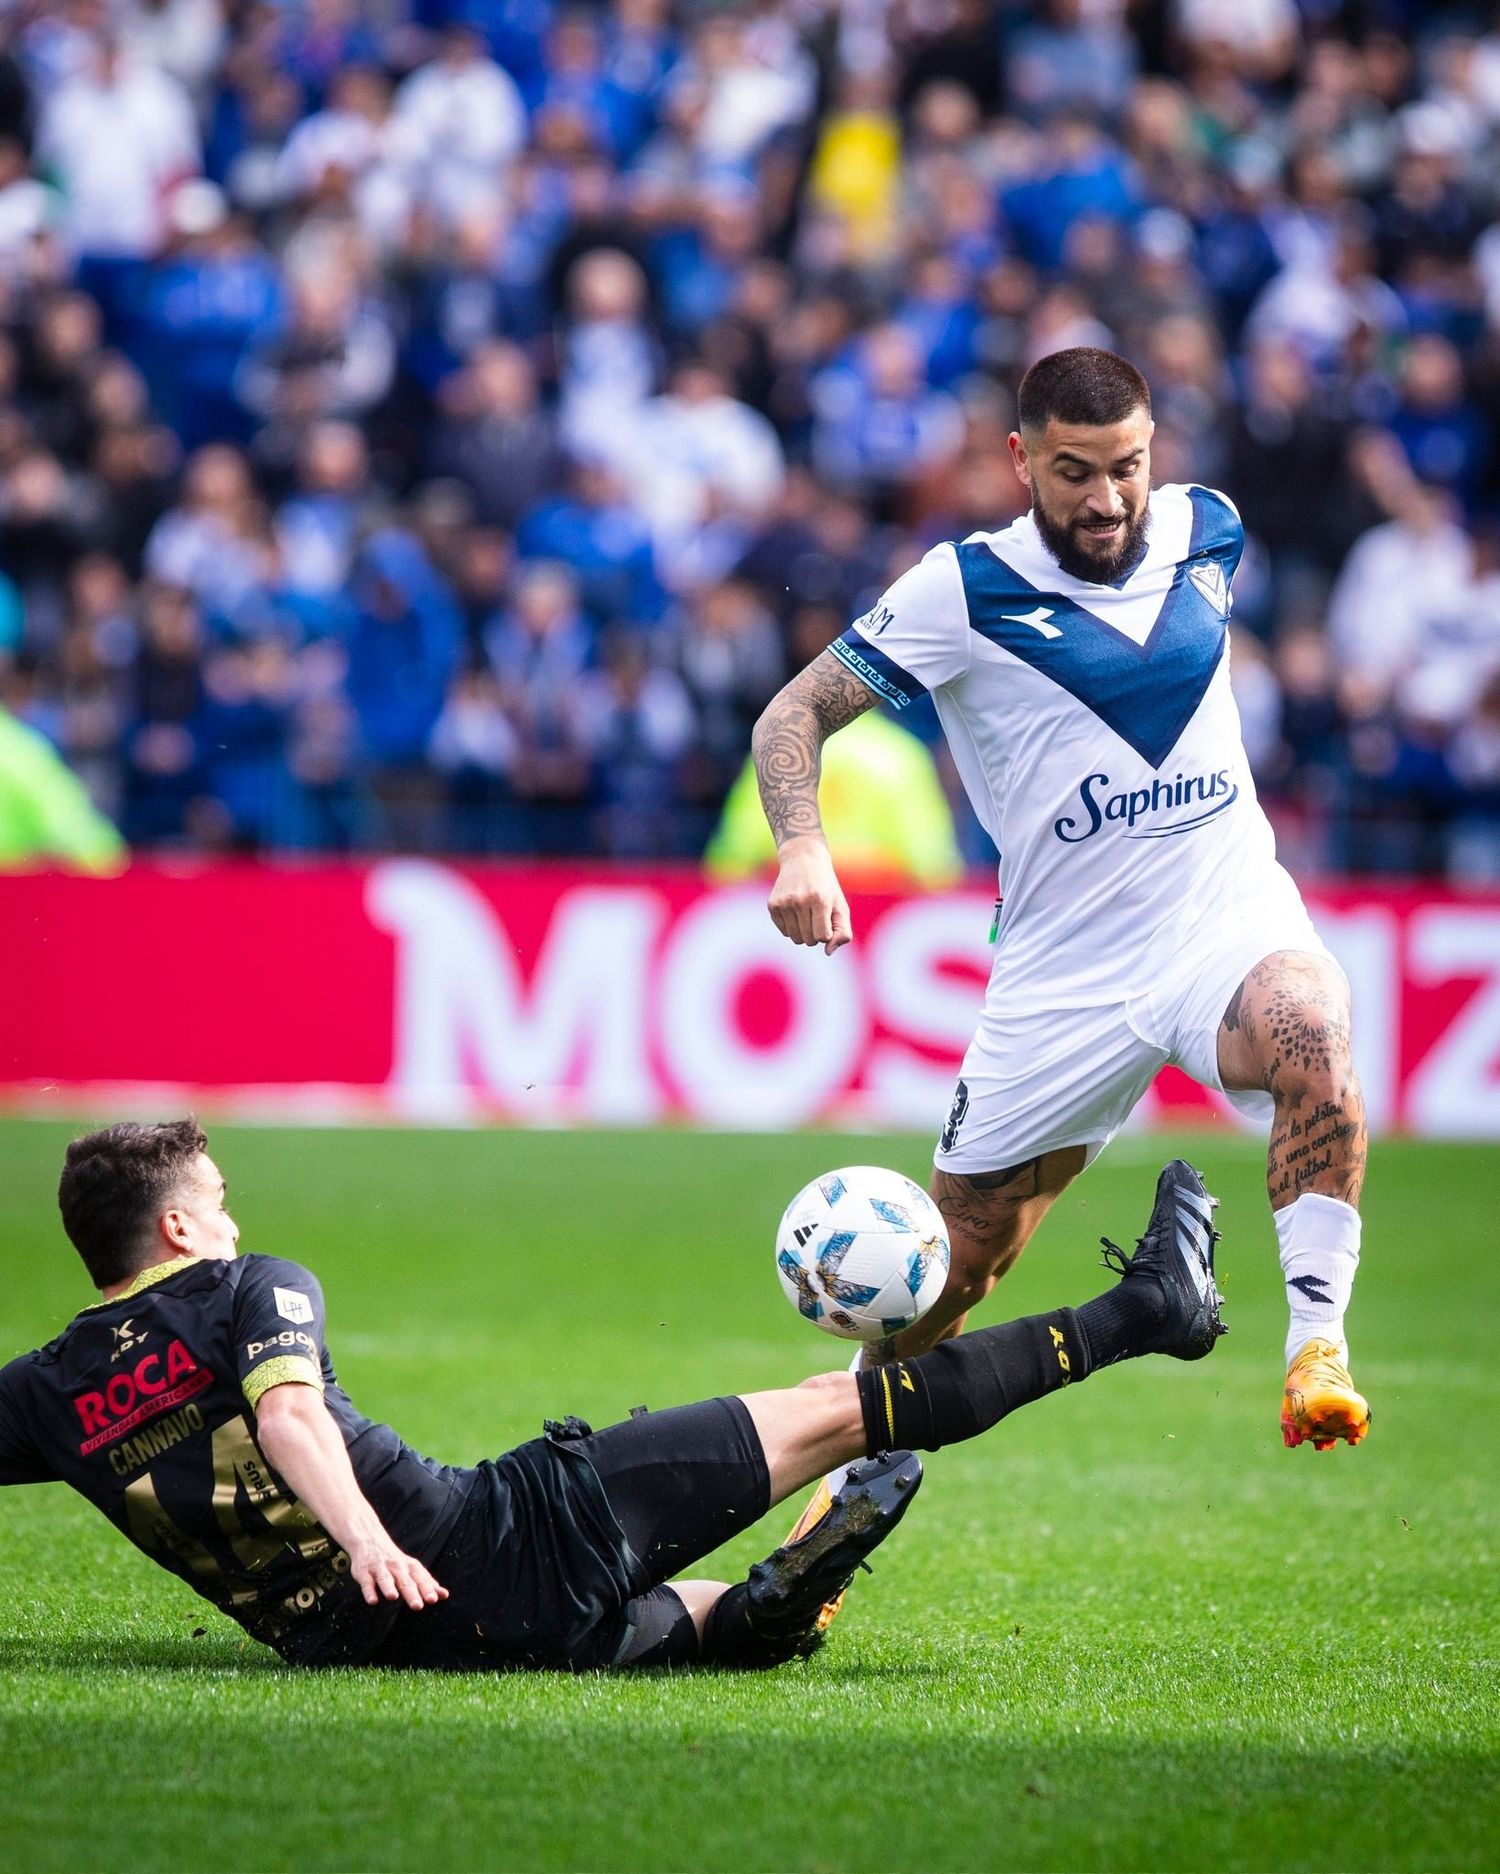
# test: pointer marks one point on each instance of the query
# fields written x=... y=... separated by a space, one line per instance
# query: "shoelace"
x=1114 y=1258
x=1118 y=1263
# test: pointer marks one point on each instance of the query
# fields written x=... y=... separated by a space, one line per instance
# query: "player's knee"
x=1312 y=1060
x=972 y=1273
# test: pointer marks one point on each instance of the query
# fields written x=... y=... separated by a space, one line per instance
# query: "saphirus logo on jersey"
x=156 y=1383
x=1170 y=805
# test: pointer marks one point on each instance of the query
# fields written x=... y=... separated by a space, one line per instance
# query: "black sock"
x=964 y=1386
x=1120 y=1324
x=728 y=1637
x=733 y=1636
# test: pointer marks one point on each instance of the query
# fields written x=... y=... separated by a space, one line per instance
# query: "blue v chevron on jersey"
x=1148 y=691
x=1094 y=730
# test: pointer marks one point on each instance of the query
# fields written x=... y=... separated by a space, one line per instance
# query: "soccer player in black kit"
x=196 y=1405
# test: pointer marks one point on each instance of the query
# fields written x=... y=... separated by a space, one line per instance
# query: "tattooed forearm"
x=1322 y=1150
x=787 y=746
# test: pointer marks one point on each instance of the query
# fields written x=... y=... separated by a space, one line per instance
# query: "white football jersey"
x=1095 y=732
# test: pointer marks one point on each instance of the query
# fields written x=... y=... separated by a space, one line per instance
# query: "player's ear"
x=1019 y=457
x=176 y=1229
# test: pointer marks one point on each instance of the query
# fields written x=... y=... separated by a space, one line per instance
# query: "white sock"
x=1319 y=1239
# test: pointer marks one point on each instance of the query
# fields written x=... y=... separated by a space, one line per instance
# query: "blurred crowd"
x=443 y=424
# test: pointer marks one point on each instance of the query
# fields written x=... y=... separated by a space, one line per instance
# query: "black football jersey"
x=146 y=1406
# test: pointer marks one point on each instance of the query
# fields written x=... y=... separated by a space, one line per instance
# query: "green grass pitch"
x=1125 y=1631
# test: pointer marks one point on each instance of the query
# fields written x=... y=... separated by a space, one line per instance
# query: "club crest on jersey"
x=1208 y=577
x=1190 y=800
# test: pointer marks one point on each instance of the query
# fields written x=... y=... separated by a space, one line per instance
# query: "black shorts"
x=558 y=1557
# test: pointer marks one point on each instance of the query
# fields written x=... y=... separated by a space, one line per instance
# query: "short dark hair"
x=115 y=1184
x=1081 y=385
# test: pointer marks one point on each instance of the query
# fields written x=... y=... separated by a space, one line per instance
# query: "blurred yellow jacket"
x=884 y=812
x=44 y=812
x=856 y=172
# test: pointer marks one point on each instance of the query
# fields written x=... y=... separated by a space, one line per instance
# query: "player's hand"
x=386 y=1573
x=807 y=903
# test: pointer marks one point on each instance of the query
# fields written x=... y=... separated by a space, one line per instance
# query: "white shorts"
x=1037 y=1078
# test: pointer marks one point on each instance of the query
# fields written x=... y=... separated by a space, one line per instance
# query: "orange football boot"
x=1320 y=1402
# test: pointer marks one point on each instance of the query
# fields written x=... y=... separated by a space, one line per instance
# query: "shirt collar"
x=158 y=1272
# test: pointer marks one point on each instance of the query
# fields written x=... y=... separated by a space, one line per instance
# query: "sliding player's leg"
x=1041 y=1092
x=1286 y=1032
x=679 y=1481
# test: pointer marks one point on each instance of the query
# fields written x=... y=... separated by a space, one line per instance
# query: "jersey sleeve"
x=1218 y=532
x=917 y=637
x=278 y=1327
x=20 y=1460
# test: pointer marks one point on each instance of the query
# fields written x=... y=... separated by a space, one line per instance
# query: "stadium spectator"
x=728 y=652
x=493 y=435
x=703 y=468
x=539 y=648
x=1399 y=576
x=208 y=298
x=117 y=134
x=318 y=526
x=404 y=641
x=635 y=719
x=214 y=542
x=458 y=122
x=596 y=531
x=164 y=778
x=721 y=311
x=877 y=423
x=332 y=356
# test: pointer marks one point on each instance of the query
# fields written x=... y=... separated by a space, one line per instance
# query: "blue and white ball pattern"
x=862 y=1252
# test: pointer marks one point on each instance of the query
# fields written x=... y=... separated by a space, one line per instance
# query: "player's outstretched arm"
x=806 y=902
x=297 y=1433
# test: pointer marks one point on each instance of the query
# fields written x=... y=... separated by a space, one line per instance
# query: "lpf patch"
x=292 y=1304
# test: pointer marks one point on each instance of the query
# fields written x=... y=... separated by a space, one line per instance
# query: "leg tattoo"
x=990 y=1217
x=1286 y=1030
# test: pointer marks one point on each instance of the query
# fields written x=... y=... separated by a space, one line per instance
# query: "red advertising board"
x=421 y=990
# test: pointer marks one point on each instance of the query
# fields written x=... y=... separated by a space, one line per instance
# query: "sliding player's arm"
x=297 y=1433
x=806 y=903
x=281 y=1356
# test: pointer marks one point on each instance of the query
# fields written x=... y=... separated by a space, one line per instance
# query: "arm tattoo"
x=787 y=746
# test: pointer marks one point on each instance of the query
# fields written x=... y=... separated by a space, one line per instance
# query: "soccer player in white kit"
x=1079 y=663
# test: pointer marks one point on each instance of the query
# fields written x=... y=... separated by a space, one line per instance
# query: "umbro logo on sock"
x=1312 y=1286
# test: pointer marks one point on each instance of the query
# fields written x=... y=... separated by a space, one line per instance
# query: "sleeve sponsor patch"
x=289 y=1370
x=292 y=1304
x=881 y=673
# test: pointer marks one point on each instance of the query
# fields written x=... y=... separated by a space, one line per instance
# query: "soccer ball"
x=862 y=1252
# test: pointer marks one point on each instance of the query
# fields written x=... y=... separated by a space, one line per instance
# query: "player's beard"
x=1100 y=569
